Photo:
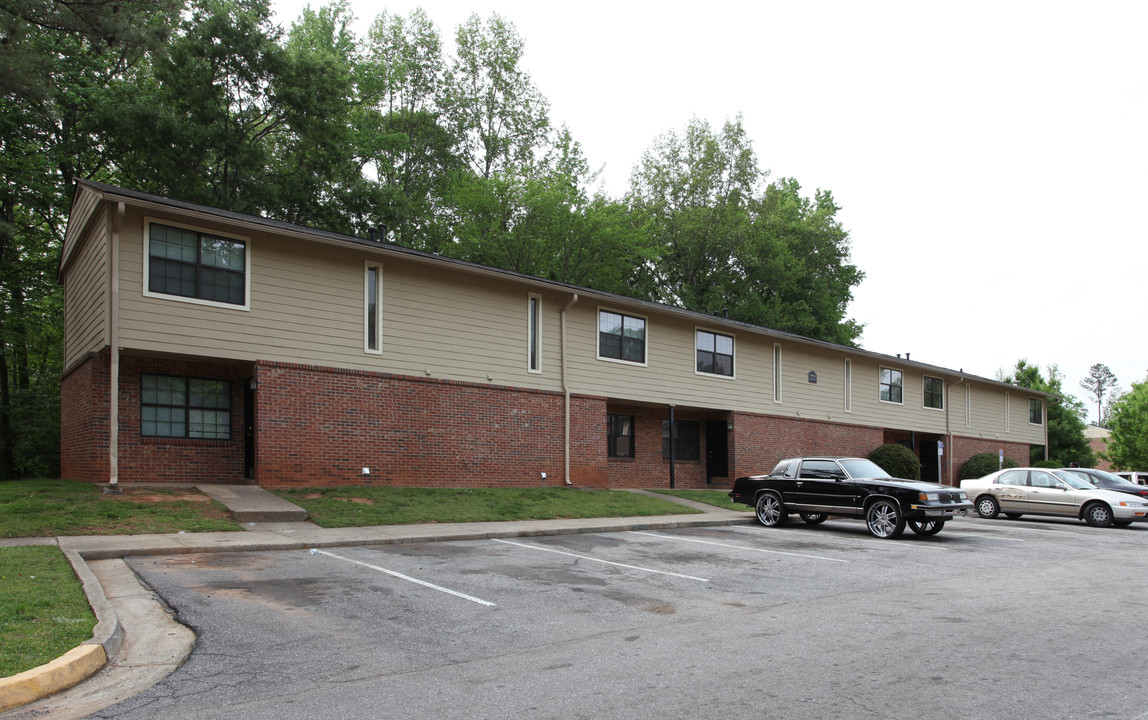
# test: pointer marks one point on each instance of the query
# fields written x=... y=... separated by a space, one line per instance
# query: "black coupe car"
x=817 y=487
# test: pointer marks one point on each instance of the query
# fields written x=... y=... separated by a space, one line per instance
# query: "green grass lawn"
x=47 y=508
x=43 y=611
x=360 y=506
x=717 y=498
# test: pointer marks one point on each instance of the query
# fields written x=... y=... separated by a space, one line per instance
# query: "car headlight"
x=929 y=497
x=962 y=496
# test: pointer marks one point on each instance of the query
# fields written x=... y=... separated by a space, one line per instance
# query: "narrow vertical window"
x=1006 y=413
x=776 y=373
x=371 y=316
x=1035 y=411
x=848 y=386
x=968 y=406
x=534 y=333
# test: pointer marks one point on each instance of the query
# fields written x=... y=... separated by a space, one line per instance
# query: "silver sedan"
x=1036 y=491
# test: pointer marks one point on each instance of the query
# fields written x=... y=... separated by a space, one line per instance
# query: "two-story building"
x=203 y=346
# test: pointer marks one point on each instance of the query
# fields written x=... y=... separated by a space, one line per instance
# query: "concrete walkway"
x=136 y=642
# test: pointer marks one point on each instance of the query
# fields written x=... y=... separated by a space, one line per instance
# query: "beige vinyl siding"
x=84 y=205
x=306 y=306
x=86 y=305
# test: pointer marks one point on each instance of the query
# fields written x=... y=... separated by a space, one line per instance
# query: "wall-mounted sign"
x=812 y=377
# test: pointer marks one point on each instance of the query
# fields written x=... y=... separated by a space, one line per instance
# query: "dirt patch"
x=359 y=500
x=149 y=496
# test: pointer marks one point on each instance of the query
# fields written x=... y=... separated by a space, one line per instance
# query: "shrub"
x=982 y=464
x=1051 y=464
x=897 y=460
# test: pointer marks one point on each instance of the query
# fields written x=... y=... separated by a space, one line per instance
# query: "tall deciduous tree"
x=729 y=243
x=1099 y=382
x=1066 y=441
x=1128 y=430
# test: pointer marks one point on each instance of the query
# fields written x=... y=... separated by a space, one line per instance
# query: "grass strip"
x=362 y=506
x=43 y=610
x=48 y=508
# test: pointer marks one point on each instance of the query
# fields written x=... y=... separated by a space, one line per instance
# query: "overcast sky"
x=989 y=158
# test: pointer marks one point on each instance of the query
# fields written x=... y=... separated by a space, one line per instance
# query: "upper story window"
x=934 y=393
x=373 y=300
x=776 y=373
x=196 y=265
x=621 y=337
x=714 y=353
x=1035 y=411
x=534 y=333
x=848 y=385
x=183 y=407
x=891 y=385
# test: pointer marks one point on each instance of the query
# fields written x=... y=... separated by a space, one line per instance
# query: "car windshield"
x=859 y=468
x=1074 y=481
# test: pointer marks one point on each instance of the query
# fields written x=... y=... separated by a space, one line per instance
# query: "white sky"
x=989 y=157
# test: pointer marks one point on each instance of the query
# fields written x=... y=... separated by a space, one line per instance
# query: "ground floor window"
x=620 y=435
x=687 y=445
x=183 y=407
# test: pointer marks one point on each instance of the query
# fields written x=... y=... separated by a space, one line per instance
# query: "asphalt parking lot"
x=988 y=619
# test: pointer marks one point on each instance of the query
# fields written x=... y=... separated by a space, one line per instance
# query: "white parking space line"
x=825 y=537
x=597 y=560
x=400 y=576
x=737 y=547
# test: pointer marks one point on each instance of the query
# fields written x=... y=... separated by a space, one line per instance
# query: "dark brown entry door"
x=717 y=450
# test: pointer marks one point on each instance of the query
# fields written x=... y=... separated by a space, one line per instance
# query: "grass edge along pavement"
x=37 y=504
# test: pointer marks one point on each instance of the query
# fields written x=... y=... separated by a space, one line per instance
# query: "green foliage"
x=1046 y=464
x=1100 y=382
x=43 y=610
x=1066 y=441
x=729 y=244
x=897 y=460
x=47 y=508
x=1128 y=430
x=982 y=464
x=361 y=506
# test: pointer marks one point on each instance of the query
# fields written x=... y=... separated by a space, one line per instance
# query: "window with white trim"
x=714 y=353
x=372 y=307
x=185 y=407
x=892 y=386
x=776 y=372
x=621 y=337
x=934 y=389
x=195 y=265
x=968 y=406
x=1007 y=413
x=848 y=385
x=1035 y=411
x=534 y=333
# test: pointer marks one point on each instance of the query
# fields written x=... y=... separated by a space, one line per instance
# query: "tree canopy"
x=1128 y=430
x=1099 y=383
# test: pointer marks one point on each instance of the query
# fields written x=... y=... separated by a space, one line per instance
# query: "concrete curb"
x=62 y=673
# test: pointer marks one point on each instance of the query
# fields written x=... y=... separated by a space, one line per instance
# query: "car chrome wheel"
x=987 y=507
x=769 y=510
x=1098 y=515
x=926 y=527
x=884 y=519
x=814 y=518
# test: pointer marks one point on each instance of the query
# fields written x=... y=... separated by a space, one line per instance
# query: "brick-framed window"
x=714 y=353
x=621 y=337
x=196 y=266
x=687 y=443
x=1035 y=411
x=892 y=385
x=185 y=407
x=934 y=393
x=619 y=435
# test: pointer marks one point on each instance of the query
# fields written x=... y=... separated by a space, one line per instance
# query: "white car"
x=1036 y=491
x=1140 y=478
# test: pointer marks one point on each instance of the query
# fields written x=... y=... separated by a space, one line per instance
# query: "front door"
x=717 y=450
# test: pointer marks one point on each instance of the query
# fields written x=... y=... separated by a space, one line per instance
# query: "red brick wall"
x=965 y=448
x=84 y=421
x=648 y=469
x=322 y=426
x=181 y=460
x=763 y=440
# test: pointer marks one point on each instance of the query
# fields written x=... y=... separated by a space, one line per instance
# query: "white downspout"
x=948 y=427
x=566 y=389
x=114 y=351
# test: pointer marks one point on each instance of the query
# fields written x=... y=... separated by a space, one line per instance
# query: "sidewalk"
x=136 y=642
